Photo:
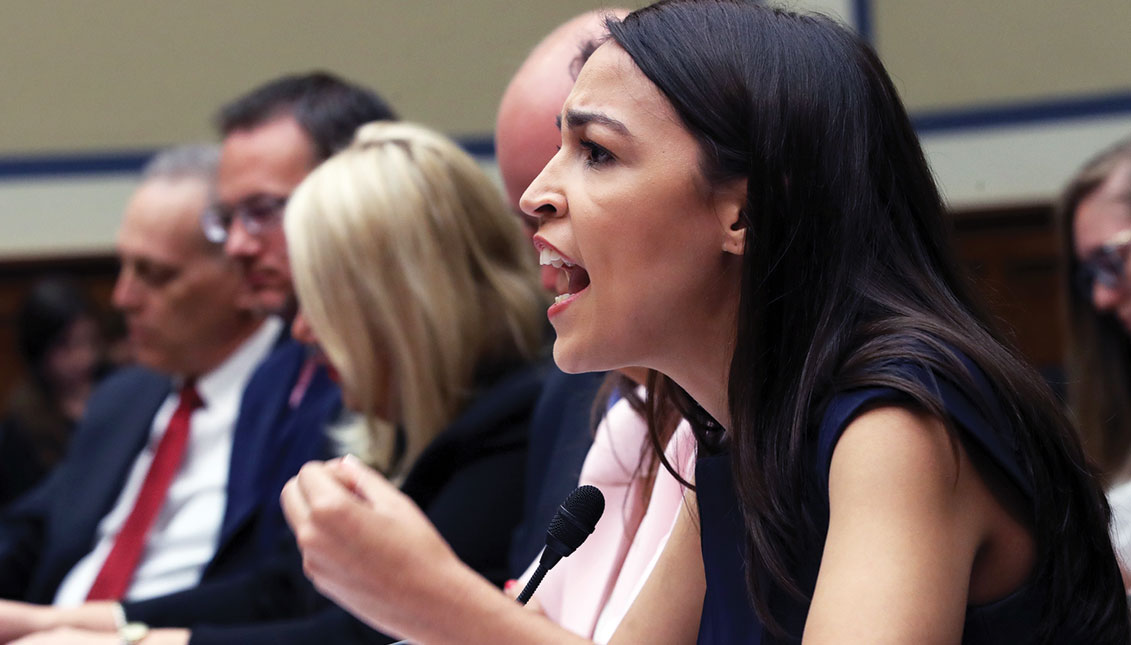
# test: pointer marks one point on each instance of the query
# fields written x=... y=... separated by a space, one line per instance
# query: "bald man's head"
x=525 y=134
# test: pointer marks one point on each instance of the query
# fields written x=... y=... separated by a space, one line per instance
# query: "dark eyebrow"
x=577 y=119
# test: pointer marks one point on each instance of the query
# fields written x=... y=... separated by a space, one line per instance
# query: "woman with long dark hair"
x=740 y=203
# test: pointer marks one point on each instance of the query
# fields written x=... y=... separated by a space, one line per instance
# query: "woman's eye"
x=595 y=155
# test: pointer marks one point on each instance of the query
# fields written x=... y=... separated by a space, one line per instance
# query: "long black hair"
x=847 y=270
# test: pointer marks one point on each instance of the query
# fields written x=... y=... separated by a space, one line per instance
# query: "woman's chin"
x=577 y=360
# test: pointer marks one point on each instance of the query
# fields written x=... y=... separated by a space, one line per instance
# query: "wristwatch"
x=133 y=633
x=129 y=633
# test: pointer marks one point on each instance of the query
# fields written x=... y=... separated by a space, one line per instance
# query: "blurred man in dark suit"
x=144 y=504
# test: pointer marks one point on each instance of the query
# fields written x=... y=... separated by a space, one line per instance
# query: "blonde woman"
x=418 y=286
x=415 y=282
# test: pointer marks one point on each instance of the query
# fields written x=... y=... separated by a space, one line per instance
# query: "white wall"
x=71 y=216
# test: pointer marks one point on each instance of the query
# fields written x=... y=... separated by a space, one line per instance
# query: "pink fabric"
x=589 y=592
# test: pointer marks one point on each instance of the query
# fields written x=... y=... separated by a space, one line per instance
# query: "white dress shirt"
x=186 y=532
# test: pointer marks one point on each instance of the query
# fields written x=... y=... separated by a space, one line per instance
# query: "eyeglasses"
x=1105 y=265
x=256 y=215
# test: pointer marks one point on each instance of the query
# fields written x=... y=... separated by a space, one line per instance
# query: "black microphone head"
x=575 y=520
x=585 y=504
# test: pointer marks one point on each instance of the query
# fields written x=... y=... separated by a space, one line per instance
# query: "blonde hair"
x=413 y=273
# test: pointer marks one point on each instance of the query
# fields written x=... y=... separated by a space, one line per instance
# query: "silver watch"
x=133 y=633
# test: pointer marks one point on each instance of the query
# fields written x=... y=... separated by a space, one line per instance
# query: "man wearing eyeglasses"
x=272 y=139
x=145 y=503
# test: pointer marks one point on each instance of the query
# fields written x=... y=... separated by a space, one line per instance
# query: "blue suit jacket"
x=46 y=532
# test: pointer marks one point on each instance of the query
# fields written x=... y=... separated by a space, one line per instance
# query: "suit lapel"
x=107 y=456
x=96 y=495
x=262 y=411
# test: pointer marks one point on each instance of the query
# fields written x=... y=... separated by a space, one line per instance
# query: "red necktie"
x=114 y=578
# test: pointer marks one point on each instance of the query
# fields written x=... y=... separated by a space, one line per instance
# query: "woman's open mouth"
x=572 y=278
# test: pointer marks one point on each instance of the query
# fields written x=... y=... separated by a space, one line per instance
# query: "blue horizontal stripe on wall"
x=926 y=122
x=75 y=164
x=479 y=147
x=128 y=162
x=862 y=19
x=1022 y=113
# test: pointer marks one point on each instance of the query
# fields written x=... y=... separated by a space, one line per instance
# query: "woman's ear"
x=730 y=206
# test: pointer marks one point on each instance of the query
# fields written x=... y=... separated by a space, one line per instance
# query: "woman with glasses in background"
x=1095 y=221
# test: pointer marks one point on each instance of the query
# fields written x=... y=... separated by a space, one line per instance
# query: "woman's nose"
x=544 y=197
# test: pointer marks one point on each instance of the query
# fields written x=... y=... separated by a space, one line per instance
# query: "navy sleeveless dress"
x=728 y=617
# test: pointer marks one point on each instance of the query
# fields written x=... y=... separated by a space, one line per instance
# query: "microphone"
x=575 y=520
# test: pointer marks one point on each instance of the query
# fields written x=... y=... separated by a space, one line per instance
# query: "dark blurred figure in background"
x=59 y=340
x=117 y=351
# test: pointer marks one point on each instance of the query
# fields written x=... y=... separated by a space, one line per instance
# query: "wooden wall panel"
x=1014 y=257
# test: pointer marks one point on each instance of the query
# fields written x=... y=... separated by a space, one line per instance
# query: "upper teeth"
x=550 y=258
